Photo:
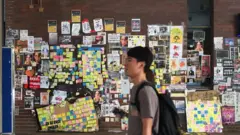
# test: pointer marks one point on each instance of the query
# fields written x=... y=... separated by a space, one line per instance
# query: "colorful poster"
x=174 y=64
x=205 y=65
x=52 y=26
x=229 y=41
x=176 y=35
x=228 y=115
x=34 y=83
x=76 y=16
x=176 y=50
x=109 y=24
x=203 y=110
x=121 y=27
x=182 y=64
x=124 y=124
x=237 y=107
x=77 y=117
x=37 y=43
x=136 y=25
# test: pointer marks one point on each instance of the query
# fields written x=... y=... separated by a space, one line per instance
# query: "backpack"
x=169 y=120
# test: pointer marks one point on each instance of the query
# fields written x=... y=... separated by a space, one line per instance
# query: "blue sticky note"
x=60 y=119
x=68 y=117
x=215 y=105
x=54 y=47
x=202 y=105
x=93 y=111
x=44 y=119
x=84 y=84
x=84 y=126
x=195 y=115
x=189 y=130
x=206 y=111
x=87 y=98
x=69 y=78
x=195 y=108
x=211 y=120
x=203 y=115
x=199 y=112
x=76 y=77
x=75 y=117
x=41 y=123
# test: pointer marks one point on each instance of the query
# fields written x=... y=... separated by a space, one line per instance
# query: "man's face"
x=123 y=41
x=133 y=67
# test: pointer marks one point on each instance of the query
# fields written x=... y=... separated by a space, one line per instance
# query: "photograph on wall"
x=229 y=41
x=98 y=24
x=164 y=30
x=191 y=72
x=12 y=34
x=153 y=41
x=109 y=24
x=44 y=98
x=23 y=35
x=76 y=27
x=53 y=38
x=19 y=60
x=52 y=26
x=124 y=40
x=104 y=35
x=18 y=93
x=199 y=47
x=65 y=27
x=76 y=16
x=9 y=42
x=136 y=25
x=28 y=103
x=205 y=65
x=228 y=114
x=97 y=40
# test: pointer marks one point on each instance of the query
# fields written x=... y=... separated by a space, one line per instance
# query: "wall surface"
x=224 y=17
x=20 y=16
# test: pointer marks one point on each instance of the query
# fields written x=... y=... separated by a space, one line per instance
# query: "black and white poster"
x=227 y=63
x=76 y=27
x=12 y=34
x=228 y=71
x=164 y=30
x=153 y=30
x=28 y=103
x=65 y=25
x=198 y=36
x=65 y=39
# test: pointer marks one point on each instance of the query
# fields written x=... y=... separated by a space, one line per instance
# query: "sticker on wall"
x=76 y=16
x=52 y=26
x=65 y=27
x=28 y=103
x=76 y=27
x=53 y=38
x=136 y=25
x=109 y=24
x=23 y=35
x=176 y=34
x=98 y=24
x=86 y=26
x=121 y=27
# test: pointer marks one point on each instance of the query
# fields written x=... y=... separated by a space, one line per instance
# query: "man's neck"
x=138 y=79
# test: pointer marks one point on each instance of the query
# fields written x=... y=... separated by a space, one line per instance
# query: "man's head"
x=138 y=62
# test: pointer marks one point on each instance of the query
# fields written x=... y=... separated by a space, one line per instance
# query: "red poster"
x=205 y=64
x=34 y=82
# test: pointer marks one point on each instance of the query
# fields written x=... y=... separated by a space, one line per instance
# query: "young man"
x=137 y=67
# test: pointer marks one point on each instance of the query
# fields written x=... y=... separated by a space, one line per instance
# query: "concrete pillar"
x=1 y=44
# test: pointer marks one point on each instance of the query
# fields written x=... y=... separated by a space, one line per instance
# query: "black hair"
x=143 y=54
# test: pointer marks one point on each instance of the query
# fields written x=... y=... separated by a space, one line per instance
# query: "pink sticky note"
x=77 y=121
x=69 y=122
